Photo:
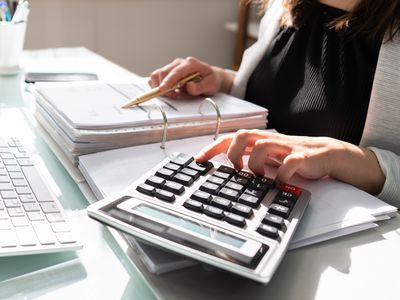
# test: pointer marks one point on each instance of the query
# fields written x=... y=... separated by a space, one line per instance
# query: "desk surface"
x=361 y=266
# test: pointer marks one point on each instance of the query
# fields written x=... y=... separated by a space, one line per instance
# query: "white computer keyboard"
x=31 y=219
x=210 y=212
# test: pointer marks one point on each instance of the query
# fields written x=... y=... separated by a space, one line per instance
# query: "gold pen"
x=157 y=93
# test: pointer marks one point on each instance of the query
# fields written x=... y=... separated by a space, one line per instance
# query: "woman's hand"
x=214 y=79
x=310 y=157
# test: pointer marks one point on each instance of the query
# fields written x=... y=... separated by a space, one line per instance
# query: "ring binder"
x=161 y=109
x=212 y=102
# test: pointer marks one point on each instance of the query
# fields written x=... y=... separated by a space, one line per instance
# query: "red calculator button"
x=284 y=187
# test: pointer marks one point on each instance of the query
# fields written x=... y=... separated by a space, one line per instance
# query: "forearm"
x=357 y=166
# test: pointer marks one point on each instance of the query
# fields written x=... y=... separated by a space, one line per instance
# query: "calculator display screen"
x=200 y=229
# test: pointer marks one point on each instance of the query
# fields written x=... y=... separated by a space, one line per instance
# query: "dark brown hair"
x=376 y=19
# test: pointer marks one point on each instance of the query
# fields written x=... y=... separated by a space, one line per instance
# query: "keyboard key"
x=193 y=205
x=16 y=175
x=164 y=195
x=23 y=190
x=15 y=211
x=26 y=236
x=240 y=180
x=259 y=186
x=268 y=231
x=30 y=206
x=35 y=216
x=54 y=217
x=8 y=238
x=155 y=181
x=11 y=203
x=209 y=188
x=12 y=168
x=279 y=210
x=24 y=162
x=269 y=182
x=27 y=198
x=201 y=196
x=59 y=227
x=287 y=195
x=9 y=162
x=44 y=233
x=5 y=224
x=174 y=187
x=183 y=179
x=242 y=210
x=228 y=194
x=273 y=220
x=214 y=212
x=20 y=221
x=235 y=219
x=65 y=238
x=145 y=189
x=249 y=200
x=49 y=207
x=19 y=182
x=182 y=159
x=222 y=203
x=202 y=168
x=6 y=186
x=245 y=174
x=37 y=185
x=165 y=173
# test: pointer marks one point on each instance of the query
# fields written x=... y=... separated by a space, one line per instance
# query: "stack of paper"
x=87 y=117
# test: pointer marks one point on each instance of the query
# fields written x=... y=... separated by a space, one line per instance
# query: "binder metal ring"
x=161 y=109
x=217 y=128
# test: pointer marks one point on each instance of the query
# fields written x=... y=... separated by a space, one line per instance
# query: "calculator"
x=209 y=212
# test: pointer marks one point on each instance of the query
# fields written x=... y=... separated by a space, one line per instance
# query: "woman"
x=329 y=73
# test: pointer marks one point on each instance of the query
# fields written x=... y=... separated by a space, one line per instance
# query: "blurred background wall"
x=140 y=35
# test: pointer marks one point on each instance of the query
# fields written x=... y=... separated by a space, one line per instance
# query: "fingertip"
x=193 y=89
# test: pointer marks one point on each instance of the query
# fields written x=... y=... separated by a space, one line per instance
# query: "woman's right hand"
x=213 y=80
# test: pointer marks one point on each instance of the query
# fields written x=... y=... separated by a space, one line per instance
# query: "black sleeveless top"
x=315 y=81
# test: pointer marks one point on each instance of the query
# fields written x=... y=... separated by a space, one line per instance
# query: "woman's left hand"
x=310 y=157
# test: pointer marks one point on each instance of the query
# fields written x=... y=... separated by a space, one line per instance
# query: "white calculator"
x=209 y=212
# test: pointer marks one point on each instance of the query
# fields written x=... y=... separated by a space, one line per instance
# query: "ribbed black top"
x=315 y=81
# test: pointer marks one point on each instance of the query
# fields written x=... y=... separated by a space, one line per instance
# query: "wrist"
x=225 y=78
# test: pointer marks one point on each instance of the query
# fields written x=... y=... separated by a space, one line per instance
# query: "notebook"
x=100 y=123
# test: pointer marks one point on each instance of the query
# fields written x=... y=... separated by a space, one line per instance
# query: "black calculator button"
x=193 y=205
x=259 y=186
x=284 y=201
x=273 y=220
x=279 y=210
x=249 y=200
x=235 y=219
x=255 y=193
x=174 y=187
x=242 y=210
x=214 y=212
x=190 y=172
x=155 y=181
x=234 y=186
x=209 y=188
x=287 y=195
x=164 y=195
x=202 y=168
x=165 y=173
x=268 y=231
x=240 y=180
x=201 y=196
x=183 y=179
x=222 y=203
x=222 y=175
x=173 y=167
x=245 y=174
x=145 y=189
x=269 y=182
x=226 y=169
x=215 y=180
x=228 y=194
x=182 y=159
